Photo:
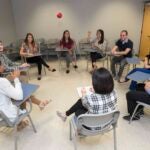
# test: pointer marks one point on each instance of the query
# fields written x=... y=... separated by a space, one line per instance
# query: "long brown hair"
x=26 y=39
x=63 y=40
x=102 y=36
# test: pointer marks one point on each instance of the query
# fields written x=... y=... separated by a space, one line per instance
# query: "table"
x=28 y=90
x=139 y=76
x=133 y=60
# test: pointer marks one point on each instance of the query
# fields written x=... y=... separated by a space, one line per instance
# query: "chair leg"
x=45 y=70
x=16 y=138
x=75 y=141
x=134 y=113
x=34 y=129
x=70 y=131
x=115 y=138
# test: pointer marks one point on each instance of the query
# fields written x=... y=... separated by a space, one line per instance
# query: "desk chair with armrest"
x=93 y=124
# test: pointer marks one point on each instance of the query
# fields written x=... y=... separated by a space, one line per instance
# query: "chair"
x=5 y=122
x=51 y=46
x=91 y=125
x=135 y=113
x=60 y=58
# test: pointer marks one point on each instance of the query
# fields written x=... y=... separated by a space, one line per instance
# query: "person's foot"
x=75 y=66
x=43 y=104
x=52 y=70
x=62 y=116
x=22 y=125
x=67 y=71
x=123 y=81
x=39 y=77
x=129 y=117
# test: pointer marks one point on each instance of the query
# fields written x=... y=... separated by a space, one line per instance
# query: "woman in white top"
x=8 y=92
x=99 y=44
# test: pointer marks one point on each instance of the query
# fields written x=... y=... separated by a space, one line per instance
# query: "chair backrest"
x=91 y=124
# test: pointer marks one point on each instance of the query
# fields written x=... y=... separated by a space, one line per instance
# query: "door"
x=145 y=37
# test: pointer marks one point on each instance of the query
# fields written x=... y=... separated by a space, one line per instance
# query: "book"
x=88 y=90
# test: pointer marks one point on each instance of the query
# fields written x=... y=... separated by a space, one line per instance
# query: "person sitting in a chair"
x=120 y=52
x=98 y=44
x=146 y=69
x=7 y=63
x=8 y=92
x=142 y=94
x=68 y=44
x=29 y=48
x=101 y=101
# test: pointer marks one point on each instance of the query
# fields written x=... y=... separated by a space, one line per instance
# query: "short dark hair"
x=125 y=31
x=102 y=81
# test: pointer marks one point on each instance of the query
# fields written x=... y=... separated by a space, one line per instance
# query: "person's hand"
x=147 y=85
x=83 y=91
x=15 y=74
x=70 y=52
x=25 y=65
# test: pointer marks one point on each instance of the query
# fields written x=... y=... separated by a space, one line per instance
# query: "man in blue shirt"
x=121 y=50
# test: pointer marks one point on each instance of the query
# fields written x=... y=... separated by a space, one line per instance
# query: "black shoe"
x=129 y=117
x=53 y=70
x=39 y=78
x=67 y=71
x=125 y=80
x=75 y=66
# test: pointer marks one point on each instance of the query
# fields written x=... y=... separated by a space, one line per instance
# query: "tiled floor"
x=53 y=134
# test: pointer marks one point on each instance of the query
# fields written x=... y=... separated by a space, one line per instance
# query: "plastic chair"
x=91 y=125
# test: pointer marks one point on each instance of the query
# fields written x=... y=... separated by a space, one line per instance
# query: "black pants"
x=95 y=56
x=39 y=61
x=138 y=95
x=77 y=108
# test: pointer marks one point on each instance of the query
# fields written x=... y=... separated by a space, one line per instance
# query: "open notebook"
x=88 y=90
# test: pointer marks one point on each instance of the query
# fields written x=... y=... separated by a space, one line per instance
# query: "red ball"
x=59 y=15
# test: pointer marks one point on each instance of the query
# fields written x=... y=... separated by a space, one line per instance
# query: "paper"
x=87 y=90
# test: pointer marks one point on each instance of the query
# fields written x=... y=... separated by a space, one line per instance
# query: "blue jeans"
x=133 y=84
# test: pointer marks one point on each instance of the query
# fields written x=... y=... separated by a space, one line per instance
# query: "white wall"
x=7 y=25
x=39 y=17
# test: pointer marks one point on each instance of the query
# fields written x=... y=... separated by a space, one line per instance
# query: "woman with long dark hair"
x=99 y=44
x=29 y=47
x=68 y=44
x=102 y=100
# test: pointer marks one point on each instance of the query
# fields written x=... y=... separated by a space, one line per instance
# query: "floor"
x=53 y=134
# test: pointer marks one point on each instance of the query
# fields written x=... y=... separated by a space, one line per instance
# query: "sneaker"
x=116 y=78
x=129 y=117
x=39 y=77
x=62 y=116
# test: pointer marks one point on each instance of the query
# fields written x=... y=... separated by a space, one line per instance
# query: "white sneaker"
x=62 y=116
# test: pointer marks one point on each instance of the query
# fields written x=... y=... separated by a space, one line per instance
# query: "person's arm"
x=15 y=92
x=114 y=49
x=127 y=50
x=22 y=53
x=35 y=49
x=146 y=65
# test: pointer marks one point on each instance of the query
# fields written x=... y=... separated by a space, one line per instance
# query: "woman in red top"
x=68 y=44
